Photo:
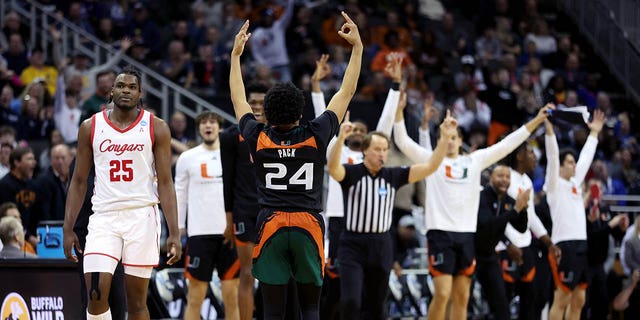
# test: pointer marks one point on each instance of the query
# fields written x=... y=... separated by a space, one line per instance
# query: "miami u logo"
x=455 y=172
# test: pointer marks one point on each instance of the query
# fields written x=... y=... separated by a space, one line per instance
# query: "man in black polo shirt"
x=496 y=209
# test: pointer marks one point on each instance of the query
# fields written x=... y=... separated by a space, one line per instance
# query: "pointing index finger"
x=347 y=116
x=346 y=17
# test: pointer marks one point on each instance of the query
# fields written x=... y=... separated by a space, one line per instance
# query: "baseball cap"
x=407 y=221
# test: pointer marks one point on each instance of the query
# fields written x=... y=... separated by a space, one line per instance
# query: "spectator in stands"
x=5 y=151
x=78 y=15
x=572 y=73
x=556 y=90
x=9 y=209
x=99 y=100
x=629 y=296
x=392 y=24
x=509 y=40
x=12 y=236
x=211 y=11
x=16 y=54
x=503 y=103
x=177 y=65
x=610 y=185
x=303 y=35
x=13 y=25
x=599 y=228
x=427 y=56
x=632 y=260
x=452 y=38
x=545 y=42
x=629 y=170
x=268 y=43
x=181 y=140
x=15 y=186
x=51 y=186
x=530 y=51
x=207 y=71
x=44 y=160
x=37 y=69
x=389 y=52
x=213 y=38
x=469 y=111
x=469 y=75
x=558 y=59
x=7 y=115
x=488 y=46
x=139 y=52
x=36 y=121
x=141 y=27
x=107 y=32
x=189 y=37
x=66 y=112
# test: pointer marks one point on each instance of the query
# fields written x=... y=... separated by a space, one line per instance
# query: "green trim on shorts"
x=287 y=254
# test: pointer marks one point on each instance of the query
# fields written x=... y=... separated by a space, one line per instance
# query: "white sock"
x=104 y=316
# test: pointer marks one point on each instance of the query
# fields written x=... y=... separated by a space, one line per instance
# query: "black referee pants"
x=365 y=263
x=490 y=277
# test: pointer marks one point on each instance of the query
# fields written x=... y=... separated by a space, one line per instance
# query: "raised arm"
x=393 y=69
x=236 y=85
x=166 y=189
x=77 y=189
x=589 y=148
x=494 y=153
x=448 y=129
x=405 y=144
x=429 y=113
x=336 y=168
x=553 y=161
x=341 y=99
x=323 y=69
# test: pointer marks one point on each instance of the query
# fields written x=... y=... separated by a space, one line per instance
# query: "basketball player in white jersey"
x=201 y=215
x=131 y=151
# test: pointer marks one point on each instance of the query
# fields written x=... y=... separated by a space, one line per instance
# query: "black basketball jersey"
x=290 y=165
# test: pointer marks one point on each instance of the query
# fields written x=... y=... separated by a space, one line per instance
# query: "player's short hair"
x=283 y=104
x=255 y=87
x=511 y=160
x=130 y=70
x=565 y=152
x=208 y=115
x=366 y=142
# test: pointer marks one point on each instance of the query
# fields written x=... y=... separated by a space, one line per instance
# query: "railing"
x=626 y=14
x=169 y=95
x=609 y=39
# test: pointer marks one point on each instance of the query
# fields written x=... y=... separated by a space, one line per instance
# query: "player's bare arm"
x=236 y=84
x=166 y=190
x=77 y=189
x=336 y=168
x=340 y=101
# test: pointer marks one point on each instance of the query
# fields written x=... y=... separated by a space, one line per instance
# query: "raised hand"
x=241 y=39
x=125 y=43
x=597 y=122
x=393 y=68
x=346 y=128
x=544 y=111
x=349 y=31
x=449 y=126
x=323 y=68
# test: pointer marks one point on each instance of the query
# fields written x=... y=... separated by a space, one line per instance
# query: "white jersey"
x=565 y=196
x=334 y=195
x=519 y=183
x=453 y=191
x=199 y=192
x=124 y=163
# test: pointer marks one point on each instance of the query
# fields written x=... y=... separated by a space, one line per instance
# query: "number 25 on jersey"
x=297 y=178
x=120 y=170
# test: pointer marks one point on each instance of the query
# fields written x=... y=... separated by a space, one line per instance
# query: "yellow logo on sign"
x=14 y=308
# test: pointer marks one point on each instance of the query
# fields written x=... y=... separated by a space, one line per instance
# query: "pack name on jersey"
x=287 y=153
x=119 y=149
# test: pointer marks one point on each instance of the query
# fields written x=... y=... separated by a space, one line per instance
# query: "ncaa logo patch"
x=143 y=123
x=382 y=191
x=14 y=308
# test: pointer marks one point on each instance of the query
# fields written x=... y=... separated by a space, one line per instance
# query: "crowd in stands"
x=493 y=63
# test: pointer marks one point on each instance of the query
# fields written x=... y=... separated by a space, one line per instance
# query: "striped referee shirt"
x=368 y=200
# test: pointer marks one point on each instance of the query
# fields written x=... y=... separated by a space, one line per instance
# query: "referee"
x=369 y=189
